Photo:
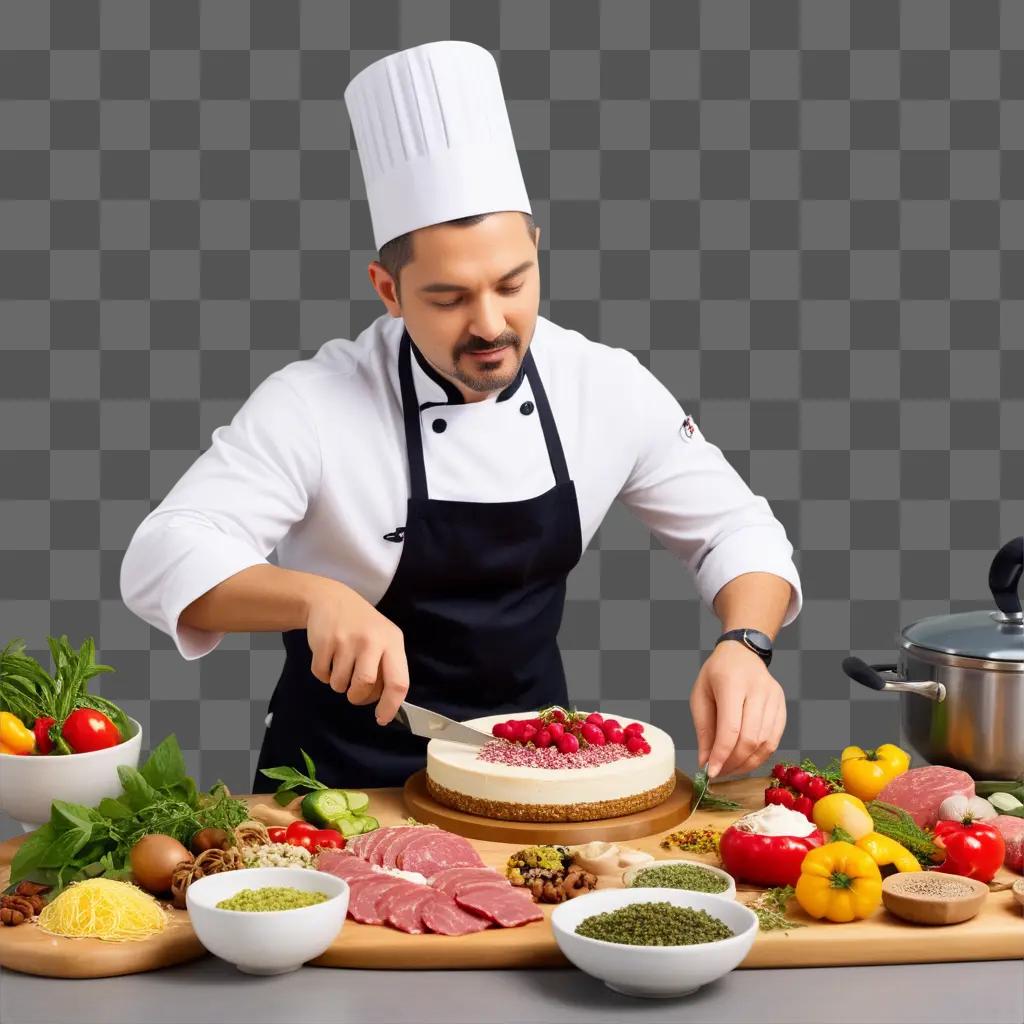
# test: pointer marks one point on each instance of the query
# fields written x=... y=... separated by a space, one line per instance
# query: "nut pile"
x=23 y=904
x=550 y=873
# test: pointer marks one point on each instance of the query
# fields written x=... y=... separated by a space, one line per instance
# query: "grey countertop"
x=210 y=991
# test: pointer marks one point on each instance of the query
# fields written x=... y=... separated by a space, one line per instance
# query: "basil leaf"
x=138 y=793
x=285 y=774
x=285 y=796
x=73 y=816
x=165 y=765
x=114 y=809
x=310 y=769
x=32 y=853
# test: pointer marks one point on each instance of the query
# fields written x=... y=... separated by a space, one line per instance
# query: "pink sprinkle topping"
x=519 y=756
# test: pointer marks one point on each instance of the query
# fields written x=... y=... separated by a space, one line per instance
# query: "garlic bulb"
x=958 y=807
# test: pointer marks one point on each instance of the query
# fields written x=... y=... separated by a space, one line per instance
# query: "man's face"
x=470 y=298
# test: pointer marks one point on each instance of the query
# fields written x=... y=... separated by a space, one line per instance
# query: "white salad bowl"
x=629 y=875
x=654 y=971
x=267 y=941
x=29 y=783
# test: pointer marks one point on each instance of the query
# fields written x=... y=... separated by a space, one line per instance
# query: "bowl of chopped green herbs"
x=654 y=942
x=693 y=876
x=268 y=920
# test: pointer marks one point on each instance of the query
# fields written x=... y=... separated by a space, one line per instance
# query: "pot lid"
x=988 y=635
x=979 y=635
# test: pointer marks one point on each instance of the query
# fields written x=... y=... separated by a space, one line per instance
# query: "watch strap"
x=753 y=639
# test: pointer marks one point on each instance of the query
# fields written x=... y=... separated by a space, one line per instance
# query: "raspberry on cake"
x=570 y=774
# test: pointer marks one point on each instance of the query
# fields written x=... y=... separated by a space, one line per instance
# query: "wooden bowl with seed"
x=931 y=897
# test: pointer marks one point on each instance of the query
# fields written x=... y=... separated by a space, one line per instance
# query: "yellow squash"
x=843 y=811
x=884 y=851
x=867 y=772
x=839 y=882
x=15 y=738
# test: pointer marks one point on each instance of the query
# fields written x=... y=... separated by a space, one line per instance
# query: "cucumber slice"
x=320 y=806
x=368 y=823
x=356 y=801
x=348 y=827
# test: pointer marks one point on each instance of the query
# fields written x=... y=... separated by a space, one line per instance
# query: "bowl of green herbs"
x=693 y=876
x=654 y=942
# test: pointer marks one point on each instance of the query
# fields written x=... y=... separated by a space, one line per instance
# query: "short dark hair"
x=397 y=253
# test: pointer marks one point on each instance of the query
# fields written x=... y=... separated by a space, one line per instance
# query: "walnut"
x=27 y=888
x=15 y=910
x=577 y=882
x=546 y=891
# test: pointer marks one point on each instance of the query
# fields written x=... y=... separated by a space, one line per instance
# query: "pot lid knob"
x=1004 y=579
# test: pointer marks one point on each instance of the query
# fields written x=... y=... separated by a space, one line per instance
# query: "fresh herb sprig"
x=292 y=780
x=770 y=908
x=832 y=772
x=897 y=824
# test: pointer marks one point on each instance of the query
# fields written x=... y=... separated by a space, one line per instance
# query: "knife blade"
x=432 y=725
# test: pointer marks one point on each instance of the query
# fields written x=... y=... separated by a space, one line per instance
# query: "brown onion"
x=153 y=860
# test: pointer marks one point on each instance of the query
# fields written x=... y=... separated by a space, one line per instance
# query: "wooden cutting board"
x=997 y=933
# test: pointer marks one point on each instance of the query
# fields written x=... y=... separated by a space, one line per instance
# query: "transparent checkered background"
x=806 y=218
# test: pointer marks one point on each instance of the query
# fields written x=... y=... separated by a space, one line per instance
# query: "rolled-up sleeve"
x=690 y=497
x=226 y=513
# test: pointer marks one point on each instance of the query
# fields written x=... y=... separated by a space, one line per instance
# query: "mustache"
x=481 y=345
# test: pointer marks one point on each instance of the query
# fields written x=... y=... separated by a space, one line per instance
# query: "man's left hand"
x=739 y=711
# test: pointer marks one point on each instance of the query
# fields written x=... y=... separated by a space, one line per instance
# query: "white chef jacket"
x=314 y=465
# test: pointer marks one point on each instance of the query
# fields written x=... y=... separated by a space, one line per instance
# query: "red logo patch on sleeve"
x=688 y=429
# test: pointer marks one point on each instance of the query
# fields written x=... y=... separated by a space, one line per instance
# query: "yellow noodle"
x=101 y=908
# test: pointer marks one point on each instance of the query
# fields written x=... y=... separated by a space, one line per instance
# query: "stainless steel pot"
x=961 y=680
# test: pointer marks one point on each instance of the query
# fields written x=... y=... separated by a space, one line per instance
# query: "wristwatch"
x=753 y=639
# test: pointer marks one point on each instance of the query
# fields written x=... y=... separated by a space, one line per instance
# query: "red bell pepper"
x=277 y=833
x=765 y=860
x=974 y=849
x=41 y=728
x=327 y=839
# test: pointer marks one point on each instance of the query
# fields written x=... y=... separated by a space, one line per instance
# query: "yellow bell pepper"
x=867 y=772
x=839 y=882
x=841 y=810
x=14 y=736
x=884 y=851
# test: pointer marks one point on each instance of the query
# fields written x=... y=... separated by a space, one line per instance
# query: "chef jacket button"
x=440 y=426
x=526 y=408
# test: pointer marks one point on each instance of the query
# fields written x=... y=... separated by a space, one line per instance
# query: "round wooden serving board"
x=423 y=807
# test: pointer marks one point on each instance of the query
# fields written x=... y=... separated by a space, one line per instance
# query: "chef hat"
x=434 y=138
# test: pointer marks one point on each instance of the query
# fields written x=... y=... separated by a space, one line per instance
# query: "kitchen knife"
x=430 y=724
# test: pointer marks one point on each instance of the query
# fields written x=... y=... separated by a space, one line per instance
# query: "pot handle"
x=870 y=676
x=1004 y=577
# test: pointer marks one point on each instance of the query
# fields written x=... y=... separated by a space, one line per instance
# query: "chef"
x=428 y=487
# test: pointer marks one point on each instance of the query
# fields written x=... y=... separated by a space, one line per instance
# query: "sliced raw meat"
x=356 y=843
x=920 y=791
x=438 y=849
x=386 y=854
x=344 y=865
x=441 y=914
x=371 y=851
x=1012 y=831
x=406 y=909
x=363 y=899
x=451 y=879
x=505 y=905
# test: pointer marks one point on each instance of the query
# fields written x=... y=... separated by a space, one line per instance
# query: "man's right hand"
x=356 y=650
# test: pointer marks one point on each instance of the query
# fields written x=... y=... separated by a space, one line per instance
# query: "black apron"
x=478 y=594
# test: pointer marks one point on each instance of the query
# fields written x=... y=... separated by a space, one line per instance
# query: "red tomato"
x=305 y=841
x=327 y=839
x=87 y=730
x=300 y=828
x=974 y=849
x=276 y=833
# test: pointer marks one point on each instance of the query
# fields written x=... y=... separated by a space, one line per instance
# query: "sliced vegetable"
x=867 y=772
x=839 y=882
x=1004 y=802
x=958 y=807
x=14 y=734
x=324 y=805
x=368 y=823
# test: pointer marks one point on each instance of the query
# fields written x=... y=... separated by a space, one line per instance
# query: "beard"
x=483 y=375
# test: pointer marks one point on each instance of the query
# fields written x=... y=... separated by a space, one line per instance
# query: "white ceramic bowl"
x=654 y=971
x=730 y=892
x=30 y=783
x=270 y=941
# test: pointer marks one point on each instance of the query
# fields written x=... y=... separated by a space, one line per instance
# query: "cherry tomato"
x=305 y=841
x=327 y=839
x=300 y=828
x=86 y=729
x=277 y=833
x=818 y=787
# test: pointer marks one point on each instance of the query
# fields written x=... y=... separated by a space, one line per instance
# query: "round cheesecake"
x=547 y=785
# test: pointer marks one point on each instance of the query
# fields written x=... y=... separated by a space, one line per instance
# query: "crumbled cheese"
x=776 y=820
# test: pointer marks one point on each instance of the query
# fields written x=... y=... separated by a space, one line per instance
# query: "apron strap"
x=414 y=437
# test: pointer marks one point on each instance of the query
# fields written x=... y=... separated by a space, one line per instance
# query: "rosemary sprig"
x=770 y=908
